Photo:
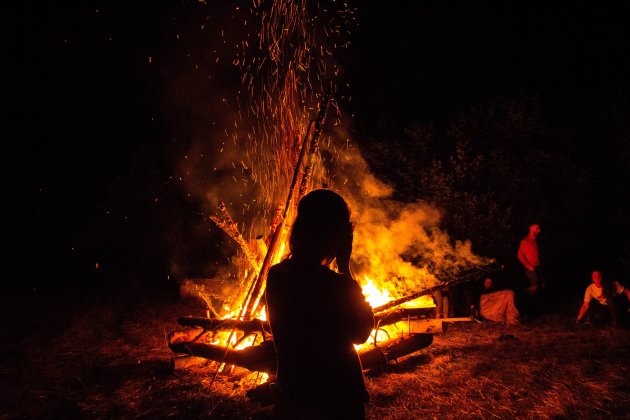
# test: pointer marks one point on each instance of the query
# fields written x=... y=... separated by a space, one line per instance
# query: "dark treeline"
x=497 y=167
x=503 y=114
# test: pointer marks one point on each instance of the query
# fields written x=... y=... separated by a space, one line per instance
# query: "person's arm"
x=585 y=305
x=620 y=288
x=344 y=252
x=582 y=312
x=360 y=317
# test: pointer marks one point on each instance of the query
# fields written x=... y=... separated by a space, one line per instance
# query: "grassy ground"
x=107 y=358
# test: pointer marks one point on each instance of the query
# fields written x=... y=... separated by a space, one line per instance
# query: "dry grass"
x=548 y=370
x=108 y=359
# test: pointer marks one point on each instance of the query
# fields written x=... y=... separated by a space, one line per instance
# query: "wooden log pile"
x=262 y=357
x=406 y=330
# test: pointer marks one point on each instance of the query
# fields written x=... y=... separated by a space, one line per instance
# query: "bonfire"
x=400 y=256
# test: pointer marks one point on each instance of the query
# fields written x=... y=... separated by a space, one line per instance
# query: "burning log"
x=212 y=324
x=462 y=278
x=277 y=218
x=267 y=393
x=393 y=316
x=393 y=349
x=257 y=325
x=185 y=362
x=385 y=315
x=422 y=326
x=262 y=358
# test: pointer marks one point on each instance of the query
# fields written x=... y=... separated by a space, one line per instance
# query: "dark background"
x=500 y=113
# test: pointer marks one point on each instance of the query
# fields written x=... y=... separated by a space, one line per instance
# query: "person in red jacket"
x=317 y=315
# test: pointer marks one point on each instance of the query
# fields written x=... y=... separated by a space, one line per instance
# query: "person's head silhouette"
x=321 y=227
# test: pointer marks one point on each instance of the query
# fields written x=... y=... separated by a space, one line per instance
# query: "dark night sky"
x=430 y=57
x=93 y=140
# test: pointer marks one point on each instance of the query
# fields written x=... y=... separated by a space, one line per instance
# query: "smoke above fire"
x=246 y=152
x=400 y=246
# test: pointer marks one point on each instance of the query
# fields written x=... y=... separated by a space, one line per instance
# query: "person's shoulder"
x=329 y=276
x=276 y=268
x=328 y=273
x=282 y=265
x=279 y=271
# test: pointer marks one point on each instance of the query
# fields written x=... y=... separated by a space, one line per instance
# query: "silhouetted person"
x=317 y=314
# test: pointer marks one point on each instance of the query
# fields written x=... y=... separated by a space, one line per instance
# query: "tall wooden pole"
x=307 y=145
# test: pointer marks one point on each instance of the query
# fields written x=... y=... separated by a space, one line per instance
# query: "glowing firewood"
x=212 y=324
x=227 y=224
x=262 y=358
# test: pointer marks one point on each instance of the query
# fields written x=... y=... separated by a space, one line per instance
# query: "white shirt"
x=593 y=291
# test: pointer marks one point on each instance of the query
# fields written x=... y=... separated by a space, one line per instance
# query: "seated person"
x=604 y=302
x=497 y=305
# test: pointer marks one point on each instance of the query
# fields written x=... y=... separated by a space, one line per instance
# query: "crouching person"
x=497 y=305
x=604 y=301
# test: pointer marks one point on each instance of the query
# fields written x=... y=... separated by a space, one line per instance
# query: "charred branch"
x=314 y=146
x=469 y=275
x=395 y=315
x=262 y=358
x=185 y=362
x=257 y=325
x=227 y=224
x=267 y=393
x=212 y=324
x=393 y=349
x=277 y=218
x=255 y=292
